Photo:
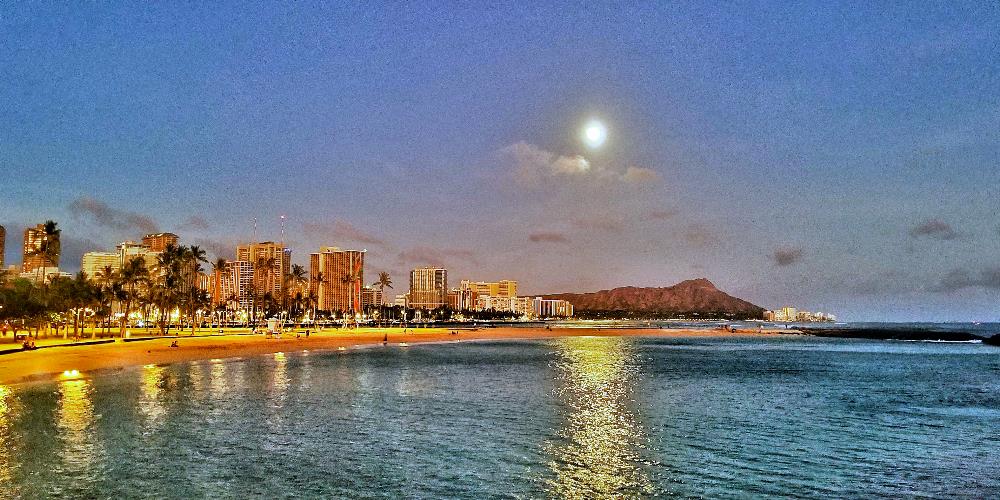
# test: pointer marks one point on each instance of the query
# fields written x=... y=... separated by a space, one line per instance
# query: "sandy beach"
x=51 y=363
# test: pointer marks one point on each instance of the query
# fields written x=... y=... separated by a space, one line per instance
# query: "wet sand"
x=51 y=363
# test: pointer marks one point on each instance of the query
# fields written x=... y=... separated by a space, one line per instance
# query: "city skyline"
x=839 y=158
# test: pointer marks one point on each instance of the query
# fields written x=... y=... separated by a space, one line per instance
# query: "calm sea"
x=572 y=417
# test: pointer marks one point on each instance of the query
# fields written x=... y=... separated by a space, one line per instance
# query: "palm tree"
x=132 y=277
x=352 y=278
x=169 y=276
x=82 y=295
x=267 y=265
x=106 y=278
x=384 y=281
x=193 y=257
x=299 y=276
x=320 y=280
x=218 y=268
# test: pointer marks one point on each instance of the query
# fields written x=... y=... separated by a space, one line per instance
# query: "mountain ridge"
x=693 y=297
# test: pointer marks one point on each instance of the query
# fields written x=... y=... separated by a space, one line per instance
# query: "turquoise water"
x=571 y=417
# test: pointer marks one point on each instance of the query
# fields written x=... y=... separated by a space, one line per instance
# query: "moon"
x=594 y=134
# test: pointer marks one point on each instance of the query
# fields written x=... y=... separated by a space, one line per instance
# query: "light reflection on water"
x=278 y=391
x=81 y=450
x=279 y=379
x=217 y=380
x=150 y=402
x=600 y=438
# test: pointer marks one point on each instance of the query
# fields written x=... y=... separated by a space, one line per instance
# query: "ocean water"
x=580 y=417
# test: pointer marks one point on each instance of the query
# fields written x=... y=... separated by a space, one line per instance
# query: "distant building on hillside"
x=428 y=288
x=158 y=242
x=792 y=315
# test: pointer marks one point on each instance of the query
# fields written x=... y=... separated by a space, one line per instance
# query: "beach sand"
x=51 y=363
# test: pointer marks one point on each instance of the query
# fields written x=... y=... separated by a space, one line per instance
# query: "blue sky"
x=833 y=157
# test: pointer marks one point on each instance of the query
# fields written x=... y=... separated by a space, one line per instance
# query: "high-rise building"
x=454 y=299
x=502 y=288
x=370 y=297
x=159 y=241
x=129 y=250
x=479 y=295
x=336 y=277
x=235 y=284
x=271 y=262
x=400 y=300
x=95 y=263
x=40 y=249
x=3 y=241
x=428 y=288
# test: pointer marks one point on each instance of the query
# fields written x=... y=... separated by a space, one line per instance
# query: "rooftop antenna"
x=282 y=229
x=254 y=240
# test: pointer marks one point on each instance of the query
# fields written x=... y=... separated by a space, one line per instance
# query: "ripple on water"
x=574 y=417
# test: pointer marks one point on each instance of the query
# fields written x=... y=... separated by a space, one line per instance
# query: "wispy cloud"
x=532 y=164
x=662 y=214
x=195 y=222
x=959 y=279
x=113 y=218
x=640 y=175
x=934 y=228
x=787 y=256
x=221 y=249
x=699 y=235
x=343 y=230
x=548 y=237
x=601 y=223
x=429 y=256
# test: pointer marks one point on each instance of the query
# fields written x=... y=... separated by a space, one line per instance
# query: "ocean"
x=580 y=417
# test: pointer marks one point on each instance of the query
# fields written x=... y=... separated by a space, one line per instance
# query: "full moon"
x=594 y=134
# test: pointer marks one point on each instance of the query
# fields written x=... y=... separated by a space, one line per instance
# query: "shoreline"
x=50 y=364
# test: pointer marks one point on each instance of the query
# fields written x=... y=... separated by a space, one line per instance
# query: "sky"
x=841 y=158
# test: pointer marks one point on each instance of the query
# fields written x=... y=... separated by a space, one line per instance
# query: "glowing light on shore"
x=594 y=134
